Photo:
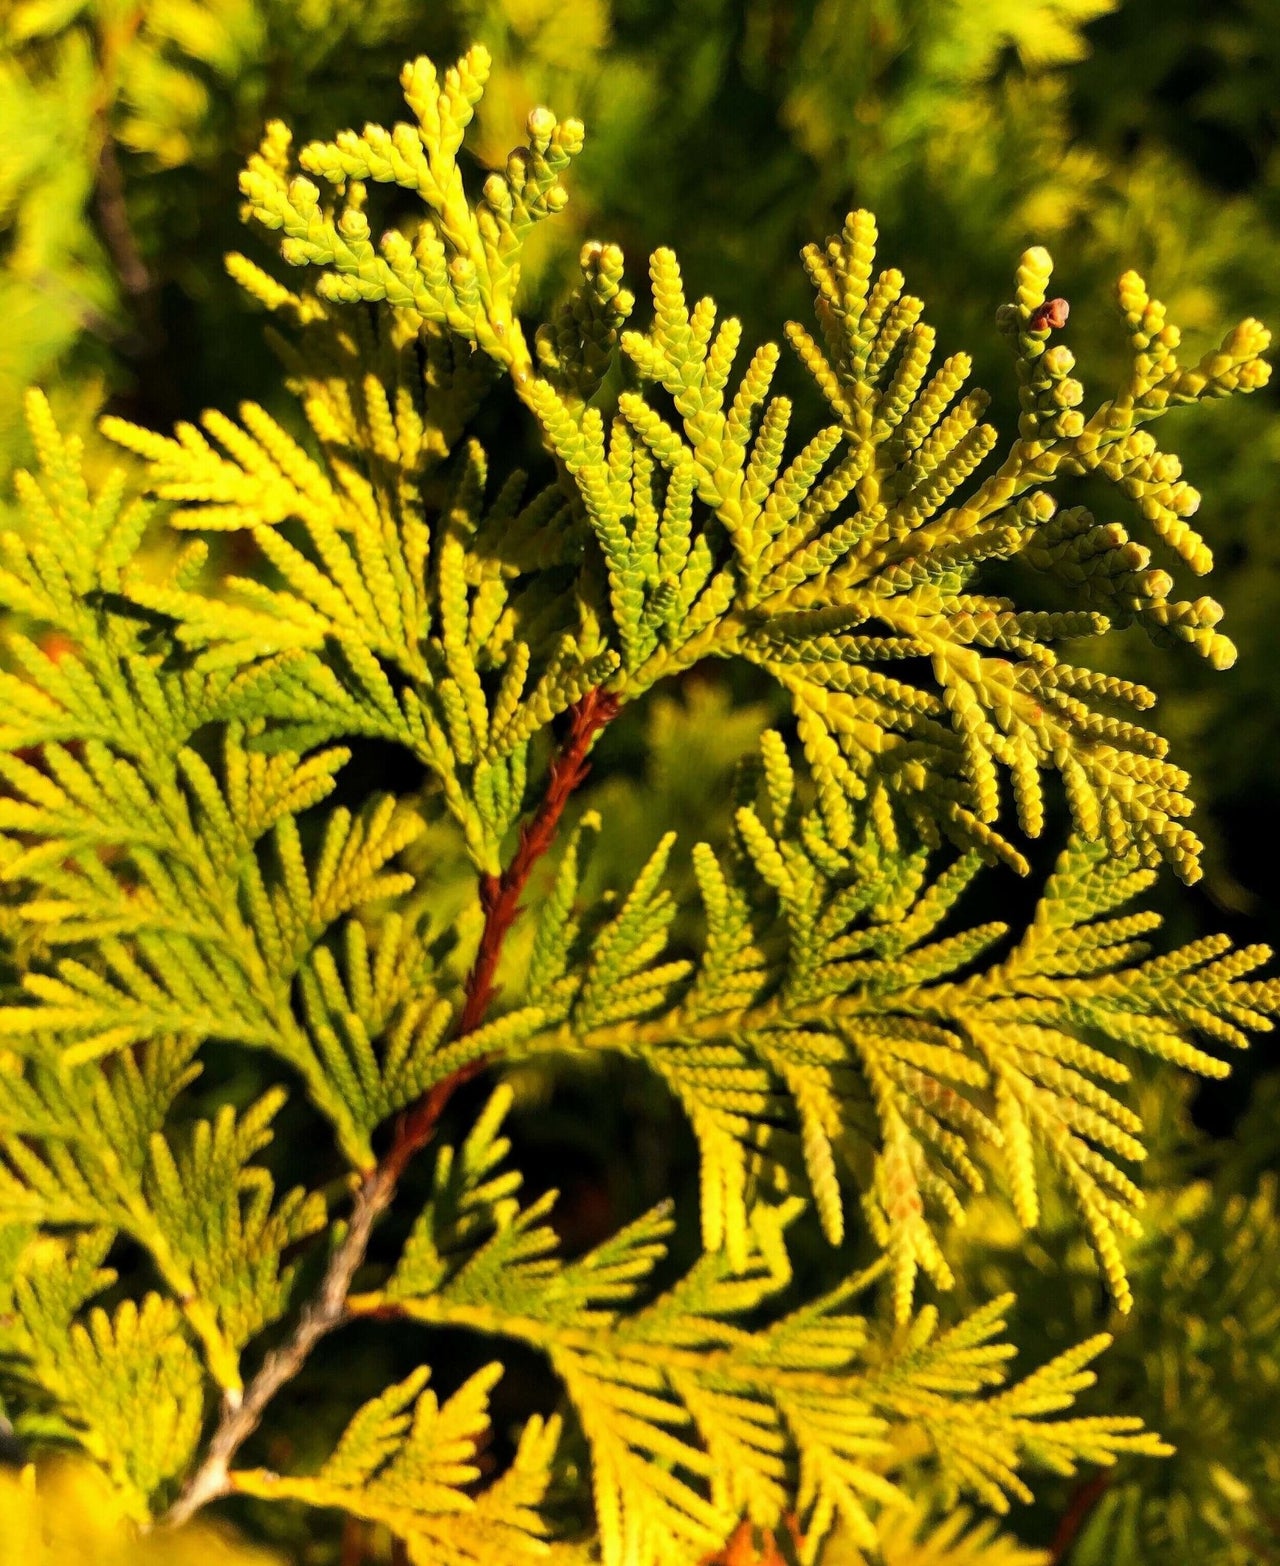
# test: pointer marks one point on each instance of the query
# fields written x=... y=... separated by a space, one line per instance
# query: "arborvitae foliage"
x=851 y=1053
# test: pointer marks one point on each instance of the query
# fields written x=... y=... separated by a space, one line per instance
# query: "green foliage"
x=99 y=1372
x=818 y=1394
x=1221 y=1492
x=201 y=863
x=1145 y=135
x=404 y=1460
x=1205 y=1346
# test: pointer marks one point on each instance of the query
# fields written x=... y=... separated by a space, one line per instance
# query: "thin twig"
x=117 y=230
x=109 y=197
x=500 y=898
x=111 y=212
x=1085 y=1497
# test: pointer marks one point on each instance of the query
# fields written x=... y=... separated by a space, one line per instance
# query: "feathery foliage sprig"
x=179 y=877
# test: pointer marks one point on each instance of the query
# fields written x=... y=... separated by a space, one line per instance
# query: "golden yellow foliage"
x=68 y=1514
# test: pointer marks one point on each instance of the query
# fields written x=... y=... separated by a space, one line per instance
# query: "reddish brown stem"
x=500 y=897
x=351 y=1550
x=1082 y=1502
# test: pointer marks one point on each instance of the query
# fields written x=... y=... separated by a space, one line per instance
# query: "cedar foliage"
x=850 y=1054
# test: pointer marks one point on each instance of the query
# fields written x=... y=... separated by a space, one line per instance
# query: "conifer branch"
x=500 y=897
x=830 y=1033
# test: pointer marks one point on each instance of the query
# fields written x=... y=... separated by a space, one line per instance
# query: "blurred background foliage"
x=1118 y=133
x=68 y=1516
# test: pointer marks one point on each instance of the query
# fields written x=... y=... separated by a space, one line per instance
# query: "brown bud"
x=1051 y=315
